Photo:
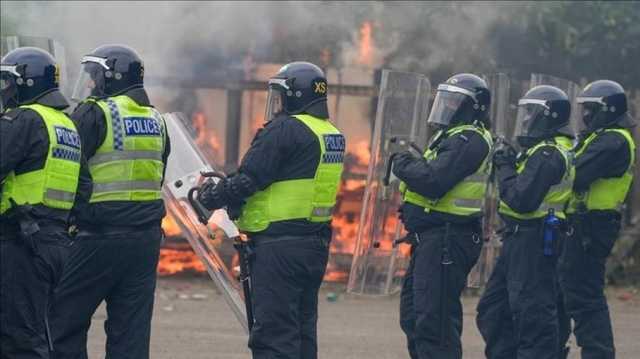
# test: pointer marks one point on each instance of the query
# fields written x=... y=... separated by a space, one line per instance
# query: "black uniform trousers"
x=430 y=306
x=119 y=268
x=27 y=280
x=286 y=274
x=518 y=312
x=582 y=274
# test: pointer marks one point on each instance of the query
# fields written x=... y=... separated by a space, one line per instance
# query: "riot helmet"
x=299 y=87
x=603 y=104
x=26 y=75
x=462 y=99
x=109 y=70
x=543 y=112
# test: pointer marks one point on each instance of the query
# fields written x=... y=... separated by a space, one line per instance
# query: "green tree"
x=575 y=40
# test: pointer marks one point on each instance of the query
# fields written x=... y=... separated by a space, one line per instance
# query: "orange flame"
x=348 y=207
x=174 y=261
x=204 y=134
x=170 y=226
x=365 y=53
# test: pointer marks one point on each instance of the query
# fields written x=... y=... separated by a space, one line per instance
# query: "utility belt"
x=584 y=223
x=12 y=231
x=103 y=232
x=19 y=223
x=262 y=240
x=596 y=216
x=436 y=232
x=548 y=228
x=512 y=228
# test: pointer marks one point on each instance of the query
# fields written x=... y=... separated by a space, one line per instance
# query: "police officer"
x=39 y=171
x=118 y=215
x=605 y=160
x=517 y=314
x=443 y=198
x=283 y=195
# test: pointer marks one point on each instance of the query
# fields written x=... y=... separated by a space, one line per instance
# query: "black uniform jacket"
x=91 y=123
x=606 y=156
x=524 y=192
x=458 y=156
x=284 y=149
x=24 y=145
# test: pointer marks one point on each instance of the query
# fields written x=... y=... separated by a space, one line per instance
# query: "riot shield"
x=501 y=128
x=570 y=88
x=401 y=119
x=184 y=168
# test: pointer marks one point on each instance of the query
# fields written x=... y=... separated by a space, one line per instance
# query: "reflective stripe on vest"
x=467 y=197
x=56 y=183
x=312 y=199
x=606 y=193
x=559 y=194
x=128 y=165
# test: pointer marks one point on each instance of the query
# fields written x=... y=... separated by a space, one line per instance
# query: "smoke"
x=173 y=36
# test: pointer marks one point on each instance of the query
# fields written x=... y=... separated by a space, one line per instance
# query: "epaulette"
x=12 y=114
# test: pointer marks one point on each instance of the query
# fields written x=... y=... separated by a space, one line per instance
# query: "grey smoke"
x=169 y=35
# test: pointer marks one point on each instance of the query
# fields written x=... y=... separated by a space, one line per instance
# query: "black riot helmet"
x=603 y=104
x=462 y=99
x=109 y=70
x=299 y=87
x=543 y=112
x=26 y=75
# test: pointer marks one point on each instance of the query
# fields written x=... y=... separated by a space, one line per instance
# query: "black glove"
x=401 y=159
x=211 y=195
x=504 y=155
x=405 y=155
x=234 y=210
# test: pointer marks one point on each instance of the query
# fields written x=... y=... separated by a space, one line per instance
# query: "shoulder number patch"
x=320 y=87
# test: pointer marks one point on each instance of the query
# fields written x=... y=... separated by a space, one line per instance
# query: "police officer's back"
x=605 y=159
x=119 y=211
x=517 y=314
x=283 y=195
x=443 y=196
x=39 y=169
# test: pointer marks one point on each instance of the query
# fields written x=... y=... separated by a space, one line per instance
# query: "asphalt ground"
x=192 y=321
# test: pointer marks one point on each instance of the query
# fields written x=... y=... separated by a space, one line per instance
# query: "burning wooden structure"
x=225 y=109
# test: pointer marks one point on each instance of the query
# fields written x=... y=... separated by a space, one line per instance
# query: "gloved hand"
x=405 y=155
x=504 y=155
x=234 y=210
x=211 y=195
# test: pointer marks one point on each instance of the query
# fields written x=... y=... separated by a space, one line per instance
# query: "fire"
x=334 y=274
x=205 y=138
x=174 y=261
x=365 y=48
x=170 y=226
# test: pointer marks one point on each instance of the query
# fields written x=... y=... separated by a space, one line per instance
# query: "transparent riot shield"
x=184 y=169
x=570 y=88
x=8 y=43
x=401 y=119
x=501 y=124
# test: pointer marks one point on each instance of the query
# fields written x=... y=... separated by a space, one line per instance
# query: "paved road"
x=192 y=322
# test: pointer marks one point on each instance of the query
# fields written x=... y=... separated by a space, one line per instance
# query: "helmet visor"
x=528 y=112
x=275 y=98
x=91 y=79
x=588 y=108
x=6 y=81
x=274 y=104
x=449 y=99
x=8 y=90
